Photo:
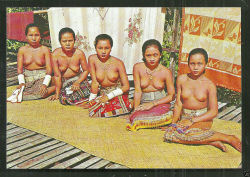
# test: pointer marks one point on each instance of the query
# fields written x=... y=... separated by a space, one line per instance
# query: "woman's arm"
x=20 y=59
x=57 y=74
x=84 y=74
x=47 y=79
x=178 y=103
x=170 y=90
x=92 y=69
x=48 y=61
x=123 y=77
x=137 y=83
x=212 y=106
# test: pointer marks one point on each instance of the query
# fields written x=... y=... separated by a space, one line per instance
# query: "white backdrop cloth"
x=90 y=23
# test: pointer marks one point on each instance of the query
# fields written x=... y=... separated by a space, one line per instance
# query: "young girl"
x=151 y=103
x=108 y=73
x=196 y=106
x=72 y=88
x=33 y=66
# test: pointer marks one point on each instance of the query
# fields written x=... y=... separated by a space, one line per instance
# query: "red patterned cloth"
x=159 y=115
x=16 y=24
x=117 y=106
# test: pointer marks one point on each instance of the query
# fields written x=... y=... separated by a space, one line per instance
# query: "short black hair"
x=66 y=30
x=103 y=37
x=148 y=43
x=200 y=51
x=29 y=26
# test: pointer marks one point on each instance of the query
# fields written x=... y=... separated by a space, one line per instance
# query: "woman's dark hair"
x=200 y=51
x=29 y=26
x=66 y=30
x=148 y=43
x=103 y=37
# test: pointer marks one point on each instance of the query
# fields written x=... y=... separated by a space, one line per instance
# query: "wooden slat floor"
x=29 y=150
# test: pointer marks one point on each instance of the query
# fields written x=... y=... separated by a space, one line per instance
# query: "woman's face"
x=67 y=41
x=152 y=55
x=33 y=36
x=197 y=64
x=103 y=49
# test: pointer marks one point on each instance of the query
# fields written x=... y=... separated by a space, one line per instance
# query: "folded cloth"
x=33 y=82
x=117 y=106
x=16 y=96
x=69 y=97
x=157 y=116
x=176 y=132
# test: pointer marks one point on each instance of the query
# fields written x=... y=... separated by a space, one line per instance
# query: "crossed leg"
x=216 y=140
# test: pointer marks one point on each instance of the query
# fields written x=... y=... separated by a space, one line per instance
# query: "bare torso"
x=194 y=93
x=69 y=66
x=34 y=58
x=158 y=78
x=107 y=74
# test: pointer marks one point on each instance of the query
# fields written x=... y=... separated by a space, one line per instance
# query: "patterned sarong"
x=117 y=106
x=68 y=97
x=176 y=131
x=33 y=82
x=159 y=115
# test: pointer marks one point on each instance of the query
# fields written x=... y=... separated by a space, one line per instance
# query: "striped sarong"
x=157 y=116
x=177 y=131
x=33 y=82
x=68 y=97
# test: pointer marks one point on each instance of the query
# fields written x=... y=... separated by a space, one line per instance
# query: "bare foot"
x=235 y=142
x=219 y=145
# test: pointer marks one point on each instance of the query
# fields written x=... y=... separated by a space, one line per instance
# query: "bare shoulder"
x=23 y=48
x=138 y=65
x=182 y=78
x=210 y=84
x=165 y=69
x=92 y=58
x=79 y=52
x=117 y=60
x=57 y=52
x=45 y=49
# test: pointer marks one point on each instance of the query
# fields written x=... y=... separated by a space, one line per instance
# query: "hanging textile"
x=218 y=31
x=128 y=27
x=16 y=24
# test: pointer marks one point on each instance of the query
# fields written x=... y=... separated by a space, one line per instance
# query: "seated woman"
x=151 y=103
x=196 y=106
x=109 y=73
x=33 y=67
x=72 y=87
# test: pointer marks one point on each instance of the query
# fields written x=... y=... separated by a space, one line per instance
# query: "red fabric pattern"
x=155 y=111
x=16 y=24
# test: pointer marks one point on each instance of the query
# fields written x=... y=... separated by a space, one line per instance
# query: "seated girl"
x=33 y=67
x=72 y=87
x=151 y=103
x=196 y=106
x=108 y=73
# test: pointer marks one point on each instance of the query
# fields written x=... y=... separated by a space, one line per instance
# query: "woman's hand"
x=103 y=99
x=145 y=106
x=43 y=90
x=20 y=86
x=75 y=86
x=53 y=97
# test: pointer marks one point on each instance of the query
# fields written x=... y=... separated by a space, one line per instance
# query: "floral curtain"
x=129 y=28
x=218 y=31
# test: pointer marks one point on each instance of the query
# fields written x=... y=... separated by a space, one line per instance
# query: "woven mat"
x=107 y=137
